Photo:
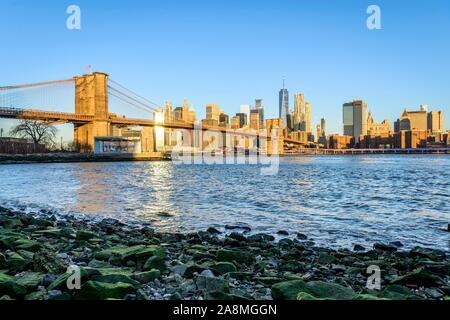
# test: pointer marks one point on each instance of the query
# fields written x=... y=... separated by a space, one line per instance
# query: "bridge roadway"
x=50 y=116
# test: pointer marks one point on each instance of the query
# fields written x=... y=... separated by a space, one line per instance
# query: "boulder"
x=139 y=252
x=16 y=262
x=239 y=256
x=431 y=254
x=384 y=247
x=115 y=278
x=85 y=235
x=419 y=277
x=329 y=290
x=147 y=276
x=9 y=286
x=224 y=267
x=48 y=262
x=288 y=290
x=30 y=280
x=397 y=292
x=155 y=262
x=93 y=290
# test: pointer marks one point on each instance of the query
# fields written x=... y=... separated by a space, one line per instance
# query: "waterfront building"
x=284 y=104
x=374 y=128
x=341 y=142
x=274 y=128
x=290 y=121
x=435 y=122
x=235 y=122
x=185 y=111
x=355 y=119
x=168 y=117
x=178 y=114
x=243 y=120
x=191 y=115
x=213 y=112
x=301 y=136
x=245 y=109
x=224 y=120
x=210 y=123
x=254 y=119
x=410 y=139
x=259 y=105
x=413 y=120
x=299 y=111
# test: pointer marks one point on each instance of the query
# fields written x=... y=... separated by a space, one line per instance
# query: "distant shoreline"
x=6 y=159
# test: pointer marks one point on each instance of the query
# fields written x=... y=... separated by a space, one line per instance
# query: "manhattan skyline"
x=230 y=54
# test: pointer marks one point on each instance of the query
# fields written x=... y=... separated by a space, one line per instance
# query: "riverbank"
x=119 y=261
x=73 y=158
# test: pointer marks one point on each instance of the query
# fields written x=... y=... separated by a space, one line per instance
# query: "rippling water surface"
x=335 y=200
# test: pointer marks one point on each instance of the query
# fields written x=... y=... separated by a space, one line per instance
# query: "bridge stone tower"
x=91 y=99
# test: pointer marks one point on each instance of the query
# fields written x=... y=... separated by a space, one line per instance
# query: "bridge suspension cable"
x=51 y=95
x=37 y=84
x=130 y=98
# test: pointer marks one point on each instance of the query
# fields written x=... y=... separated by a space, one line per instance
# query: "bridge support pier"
x=91 y=98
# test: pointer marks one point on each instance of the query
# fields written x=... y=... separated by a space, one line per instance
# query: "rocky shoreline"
x=119 y=261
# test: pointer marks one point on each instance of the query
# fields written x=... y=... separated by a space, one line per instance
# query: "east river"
x=336 y=201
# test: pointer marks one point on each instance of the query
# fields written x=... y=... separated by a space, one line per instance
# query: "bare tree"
x=39 y=131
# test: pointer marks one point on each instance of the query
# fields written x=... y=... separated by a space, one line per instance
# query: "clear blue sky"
x=231 y=52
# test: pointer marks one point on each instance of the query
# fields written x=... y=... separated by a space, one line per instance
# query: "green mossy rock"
x=48 y=262
x=235 y=255
x=306 y=296
x=61 y=282
x=115 y=278
x=398 y=292
x=9 y=286
x=155 y=262
x=16 y=262
x=419 y=277
x=223 y=267
x=30 y=280
x=147 y=276
x=85 y=235
x=38 y=295
x=366 y=297
x=93 y=290
x=325 y=258
x=2 y=261
x=328 y=290
x=288 y=290
x=125 y=254
x=7 y=238
x=27 y=245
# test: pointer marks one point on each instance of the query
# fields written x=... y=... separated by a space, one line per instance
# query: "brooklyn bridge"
x=92 y=118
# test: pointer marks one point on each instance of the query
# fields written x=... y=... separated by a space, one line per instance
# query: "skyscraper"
x=323 y=124
x=245 y=108
x=243 y=120
x=259 y=105
x=213 y=112
x=308 y=118
x=299 y=110
x=355 y=119
x=254 y=119
x=284 y=104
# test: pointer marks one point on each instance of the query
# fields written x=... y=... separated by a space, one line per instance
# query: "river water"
x=337 y=201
